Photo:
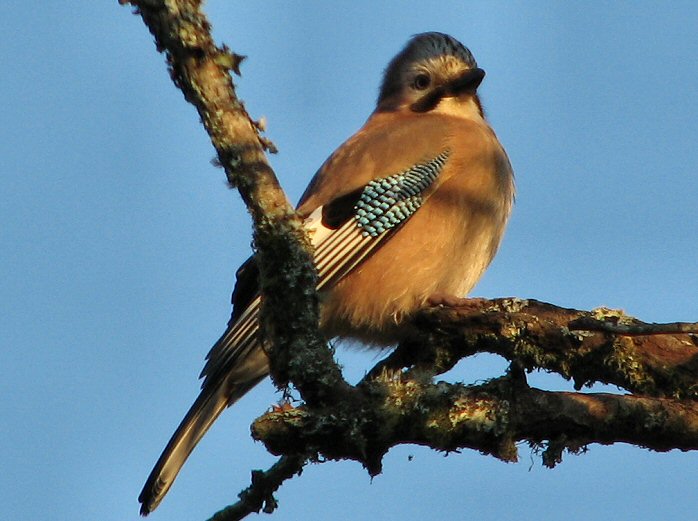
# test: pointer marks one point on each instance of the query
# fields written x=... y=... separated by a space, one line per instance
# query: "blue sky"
x=119 y=241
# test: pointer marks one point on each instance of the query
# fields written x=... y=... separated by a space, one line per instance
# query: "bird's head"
x=434 y=72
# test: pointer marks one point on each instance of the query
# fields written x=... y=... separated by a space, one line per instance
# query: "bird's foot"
x=282 y=406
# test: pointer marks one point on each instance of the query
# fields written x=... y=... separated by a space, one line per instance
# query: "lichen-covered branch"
x=490 y=418
x=399 y=403
x=288 y=279
x=542 y=336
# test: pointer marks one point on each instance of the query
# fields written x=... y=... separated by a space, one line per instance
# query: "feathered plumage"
x=412 y=205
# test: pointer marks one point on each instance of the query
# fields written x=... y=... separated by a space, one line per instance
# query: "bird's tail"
x=214 y=398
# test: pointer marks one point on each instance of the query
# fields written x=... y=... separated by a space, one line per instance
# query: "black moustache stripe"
x=429 y=101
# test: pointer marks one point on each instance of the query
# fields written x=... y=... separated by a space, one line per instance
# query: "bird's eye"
x=421 y=81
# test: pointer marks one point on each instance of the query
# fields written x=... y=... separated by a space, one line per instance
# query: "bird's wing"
x=358 y=199
x=343 y=232
x=346 y=230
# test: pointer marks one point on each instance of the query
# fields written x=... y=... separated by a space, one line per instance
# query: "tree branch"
x=490 y=418
x=538 y=335
x=287 y=274
x=259 y=495
x=593 y=324
x=400 y=404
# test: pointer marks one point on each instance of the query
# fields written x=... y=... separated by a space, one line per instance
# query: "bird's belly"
x=443 y=249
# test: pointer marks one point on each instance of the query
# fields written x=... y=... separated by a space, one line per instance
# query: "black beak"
x=469 y=81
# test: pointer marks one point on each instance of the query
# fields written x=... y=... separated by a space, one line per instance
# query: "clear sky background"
x=119 y=241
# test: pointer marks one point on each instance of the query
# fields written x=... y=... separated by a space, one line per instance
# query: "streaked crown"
x=428 y=60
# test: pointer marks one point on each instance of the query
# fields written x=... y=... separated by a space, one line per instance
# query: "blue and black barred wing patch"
x=388 y=202
x=379 y=210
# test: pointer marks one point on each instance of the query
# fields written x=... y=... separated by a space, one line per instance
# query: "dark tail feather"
x=207 y=407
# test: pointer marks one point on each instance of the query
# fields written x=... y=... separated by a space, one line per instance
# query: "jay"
x=411 y=206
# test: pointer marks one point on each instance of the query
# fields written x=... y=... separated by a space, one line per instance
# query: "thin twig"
x=260 y=494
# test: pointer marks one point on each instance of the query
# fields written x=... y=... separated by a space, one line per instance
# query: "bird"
x=411 y=207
